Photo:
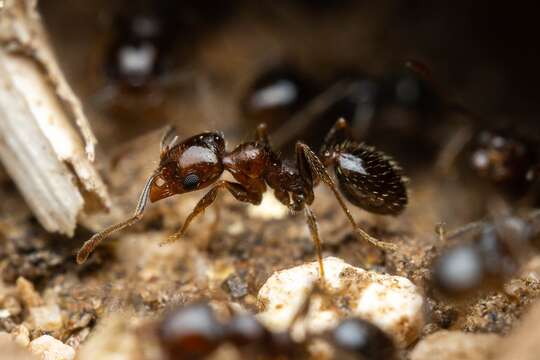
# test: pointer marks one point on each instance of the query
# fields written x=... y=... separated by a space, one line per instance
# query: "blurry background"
x=228 y=65
x=207 y=54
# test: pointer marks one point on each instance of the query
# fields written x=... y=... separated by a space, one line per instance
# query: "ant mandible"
x=367 y=178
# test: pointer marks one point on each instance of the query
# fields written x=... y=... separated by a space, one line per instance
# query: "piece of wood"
x=46 y=143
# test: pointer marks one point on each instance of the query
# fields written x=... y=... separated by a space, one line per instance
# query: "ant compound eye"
x=191 y=181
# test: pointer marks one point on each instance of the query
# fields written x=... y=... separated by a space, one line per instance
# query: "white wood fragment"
x=46 y=143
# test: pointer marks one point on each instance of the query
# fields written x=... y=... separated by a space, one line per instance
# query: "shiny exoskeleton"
x=367 y=178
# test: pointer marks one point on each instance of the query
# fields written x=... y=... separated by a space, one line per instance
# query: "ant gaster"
x=367 y=178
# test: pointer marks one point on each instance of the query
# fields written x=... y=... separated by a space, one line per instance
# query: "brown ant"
x=367 y=178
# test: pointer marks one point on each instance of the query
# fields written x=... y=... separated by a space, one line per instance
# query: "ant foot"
x=385 y=245
x=378 y=243
x=171 y=239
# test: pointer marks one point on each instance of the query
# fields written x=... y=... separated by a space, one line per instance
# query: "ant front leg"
x=239 y=192
x=312 y=168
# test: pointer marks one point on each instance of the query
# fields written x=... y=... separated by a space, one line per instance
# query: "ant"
x=194 y=332
x=367 y=178
x=498 y=248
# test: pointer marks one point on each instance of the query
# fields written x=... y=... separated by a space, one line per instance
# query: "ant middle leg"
x=237 y=190
x=338 y=134
x=314 y=231
x=312 y=168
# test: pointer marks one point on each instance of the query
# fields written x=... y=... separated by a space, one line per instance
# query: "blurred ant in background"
x=495 y=253
x=407 y=105
x=149 y=36
x=509 y=162
x=193 y=332
x=367 y=178
x=400 y=105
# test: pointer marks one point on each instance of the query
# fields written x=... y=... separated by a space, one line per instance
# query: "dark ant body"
x=193 y=332
x=367 y=178
x=494 y=255
x=403 y=104
x=276 y=95
x=142 y=40
x=507 y=161
x=147 y=37
x=504 y=157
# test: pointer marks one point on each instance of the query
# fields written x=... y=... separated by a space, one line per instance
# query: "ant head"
x=187 y=166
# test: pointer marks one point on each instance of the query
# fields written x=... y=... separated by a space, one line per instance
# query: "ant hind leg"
x=310 y=167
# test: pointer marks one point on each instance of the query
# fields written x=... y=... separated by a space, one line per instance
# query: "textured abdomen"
x=371 y=180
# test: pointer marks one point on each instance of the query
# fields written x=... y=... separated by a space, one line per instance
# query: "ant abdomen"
x=369 y=179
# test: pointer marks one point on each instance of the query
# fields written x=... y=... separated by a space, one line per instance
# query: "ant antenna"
x=89 y=246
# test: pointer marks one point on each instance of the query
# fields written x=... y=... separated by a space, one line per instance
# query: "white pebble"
x=50 y=348
x=391 y=302
x=454 y=345
x=269 y=209
x=46 y=318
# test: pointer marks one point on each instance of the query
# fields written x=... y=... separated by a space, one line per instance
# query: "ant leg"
x=444 y=235
x=440 y=230
x=314 y=230
x=446 y=158
x=237 y=190
x=261 y=135
x=94 y=241
x=338 y=134
x=217 y=215
x=311 y=167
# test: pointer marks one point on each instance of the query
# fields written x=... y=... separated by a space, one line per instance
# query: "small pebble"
x=50 y=348
x=4 y=313
x=27 y=293
x=236 y=286
x=455 y=345
x=392 y=303
x=46 y=318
